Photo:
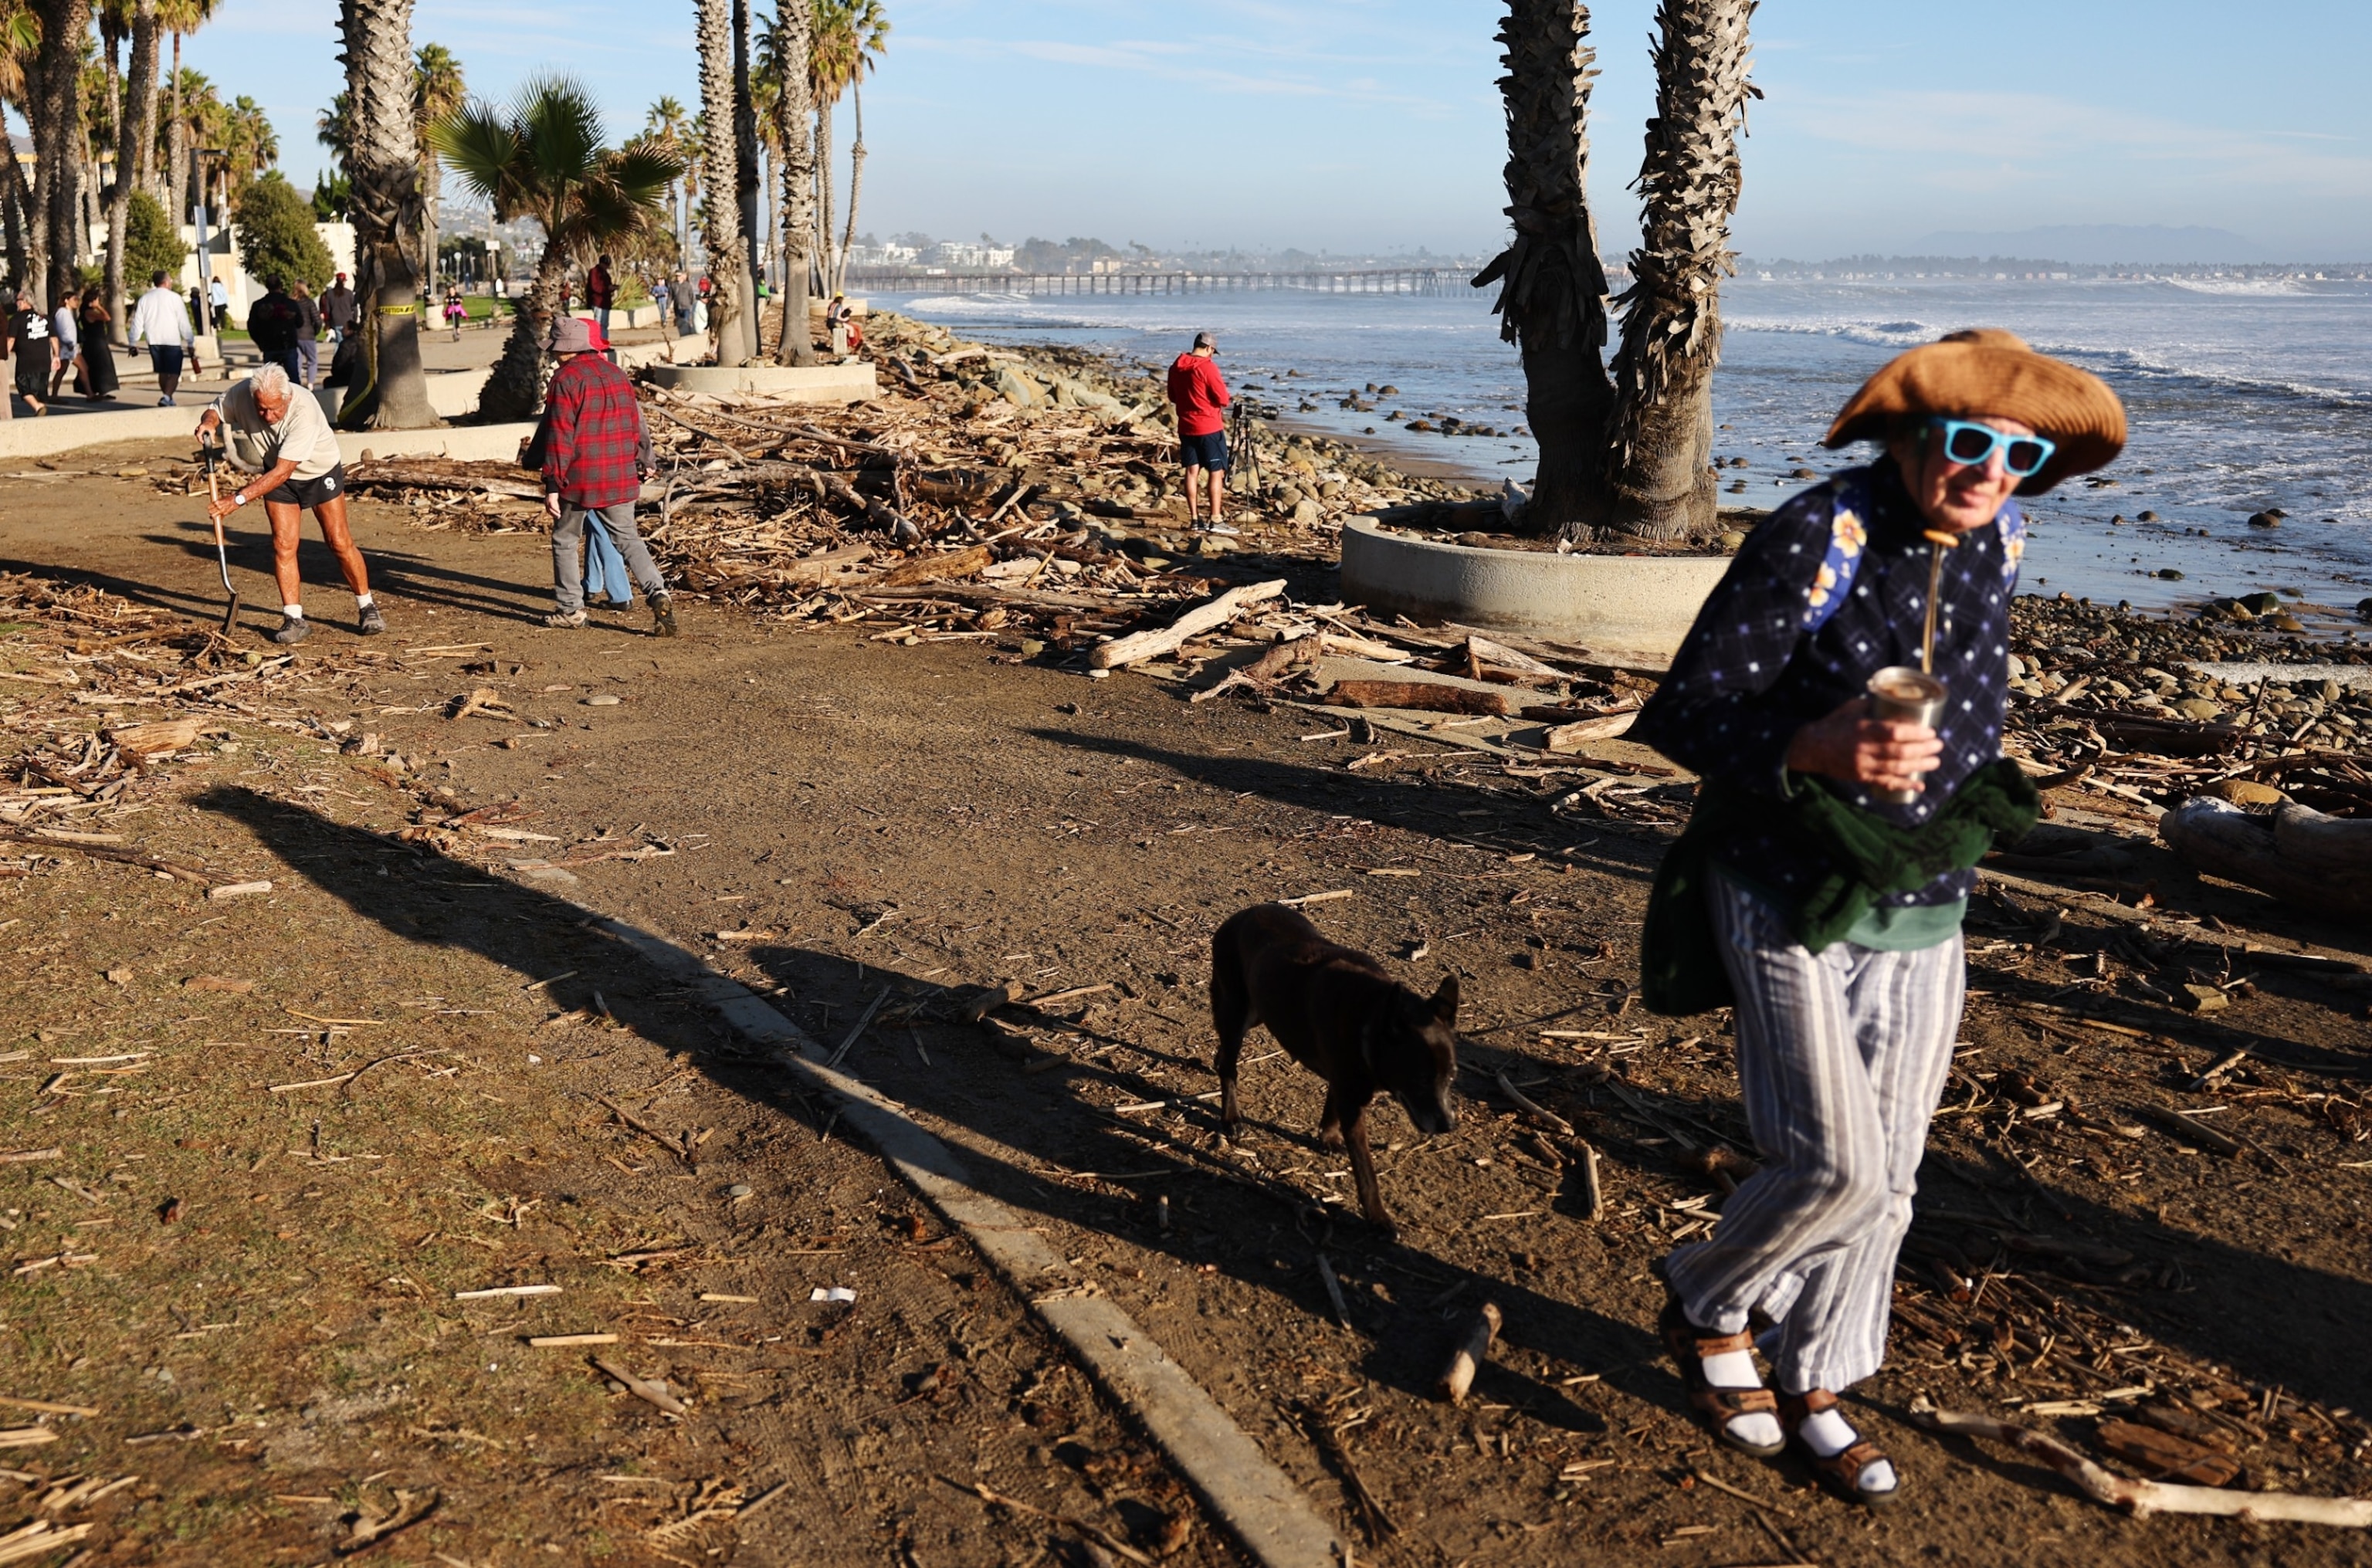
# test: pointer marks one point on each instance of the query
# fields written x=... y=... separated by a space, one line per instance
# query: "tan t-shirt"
x=303 y=433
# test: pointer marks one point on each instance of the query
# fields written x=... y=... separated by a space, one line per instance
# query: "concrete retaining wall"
x=799 y=383
x=1626 y=608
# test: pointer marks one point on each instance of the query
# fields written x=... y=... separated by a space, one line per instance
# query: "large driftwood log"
x=1205 y=617
x=2320 y=864
x=1427 y=696
x=2144 y=1497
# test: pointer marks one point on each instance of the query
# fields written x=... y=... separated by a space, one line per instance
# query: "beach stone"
x=2245 y=792
x=1306 y=511
x=1731 y=541
x=2200 y=708
x=1803 y=474
x=2146 y=518
x=2364 y=610
x=1015 y=388
x=2202 y=999
x=2283 y=621
x=2263 y=520
x=2169 y=574
x=2262 y=603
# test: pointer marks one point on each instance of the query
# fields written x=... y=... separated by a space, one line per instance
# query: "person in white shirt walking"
x=277 y=431
x=161 y=321
x=69 y=341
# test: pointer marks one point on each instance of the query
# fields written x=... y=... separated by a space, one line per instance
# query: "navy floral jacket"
x=1778 y=645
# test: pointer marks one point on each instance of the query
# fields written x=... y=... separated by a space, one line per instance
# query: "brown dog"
x=1337 y=1013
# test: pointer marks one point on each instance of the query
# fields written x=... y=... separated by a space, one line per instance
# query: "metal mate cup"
x=1904 y=695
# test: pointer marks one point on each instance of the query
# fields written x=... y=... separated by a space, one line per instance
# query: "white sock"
x=293 y=612
x=1826 y=1432
x=362 y=601
x=1734 y=1369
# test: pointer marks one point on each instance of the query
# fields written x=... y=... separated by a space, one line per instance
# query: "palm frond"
x=559 y=128
x=482 y=147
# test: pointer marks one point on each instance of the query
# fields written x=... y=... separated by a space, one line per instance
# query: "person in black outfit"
x=273 y=322
x=308 y=334
x=35 y=347
x=97 y=378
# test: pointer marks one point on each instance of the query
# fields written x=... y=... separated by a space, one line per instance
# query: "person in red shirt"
x=601 y=294
x=591 y=449
x=1200 y=394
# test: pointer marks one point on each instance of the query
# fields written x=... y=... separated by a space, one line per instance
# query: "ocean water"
x=2241 y=397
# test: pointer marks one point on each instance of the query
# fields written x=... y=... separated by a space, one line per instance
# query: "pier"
x=1373 y=280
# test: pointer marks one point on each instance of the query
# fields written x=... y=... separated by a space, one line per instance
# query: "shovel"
x=222 y=548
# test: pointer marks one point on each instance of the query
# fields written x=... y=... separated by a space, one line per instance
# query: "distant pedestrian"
x=600 y=293
x=35 y=349
x=455 y=312
x=1200 y=394
x=338 y=311
x=686 y=300
x=160 y=321
x=218 y=297
x=67 y=330
x=592 y=450
x=308 y=334
x=273 y=322
x=275 y=430
x=99 y=380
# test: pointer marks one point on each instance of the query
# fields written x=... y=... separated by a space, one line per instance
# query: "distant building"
x=965 y=253
x=882 y=255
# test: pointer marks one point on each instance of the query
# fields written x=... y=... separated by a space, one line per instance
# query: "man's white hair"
x=271 y=383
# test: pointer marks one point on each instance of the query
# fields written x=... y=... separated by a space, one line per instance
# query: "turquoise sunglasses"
x=1974 y=445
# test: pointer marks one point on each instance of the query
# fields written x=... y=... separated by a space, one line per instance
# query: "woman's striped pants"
x=1841 y=1055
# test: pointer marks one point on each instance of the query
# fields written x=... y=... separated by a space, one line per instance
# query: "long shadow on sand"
x=1028 y=1139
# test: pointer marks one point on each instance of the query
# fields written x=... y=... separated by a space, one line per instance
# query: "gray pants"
x=1841 y=1055
x=569 y=552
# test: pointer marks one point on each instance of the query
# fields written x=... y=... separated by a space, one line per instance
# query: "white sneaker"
x=1225 y=530
x=164 y=403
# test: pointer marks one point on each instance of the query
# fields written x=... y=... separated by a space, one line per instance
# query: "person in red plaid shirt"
x=592 y=451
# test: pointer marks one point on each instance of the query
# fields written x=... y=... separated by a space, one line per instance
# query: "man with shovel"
x=1841 y=697
x=278 y=432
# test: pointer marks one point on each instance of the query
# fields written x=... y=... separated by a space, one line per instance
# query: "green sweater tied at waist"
x=1679 y=954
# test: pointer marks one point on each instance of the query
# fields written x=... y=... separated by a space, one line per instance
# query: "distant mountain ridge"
x=2101 y=244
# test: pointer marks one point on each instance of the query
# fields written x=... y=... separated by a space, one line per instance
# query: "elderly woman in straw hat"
x=1841 y=697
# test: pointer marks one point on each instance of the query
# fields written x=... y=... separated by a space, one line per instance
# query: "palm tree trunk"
x=855 y=184
x=432 y=183
x=722 y=236
x=135 y=129
x=796 y=209
x=57 y=125
x=746 y=182
x=180 y=189
x=25 y=257
x=391 y=392
x=516 y=388
x=1661 y=439
x=1551 y=286
x=823 y=195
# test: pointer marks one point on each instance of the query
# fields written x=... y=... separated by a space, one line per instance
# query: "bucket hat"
x=1987 y=372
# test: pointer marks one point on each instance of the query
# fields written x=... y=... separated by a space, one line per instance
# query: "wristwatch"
x=238 y=497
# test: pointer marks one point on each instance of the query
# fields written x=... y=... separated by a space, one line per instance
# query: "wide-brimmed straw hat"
x=570 y=334
x=1990 y=373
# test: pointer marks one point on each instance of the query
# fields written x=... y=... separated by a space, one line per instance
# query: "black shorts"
x=311 y=493
x=1205 y=451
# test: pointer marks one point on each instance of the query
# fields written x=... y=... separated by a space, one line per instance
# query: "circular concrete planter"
x=797 y=384
x=1624 y=608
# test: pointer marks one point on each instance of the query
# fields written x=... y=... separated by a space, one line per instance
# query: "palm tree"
x=247 y=135
x=436 y=91
x=1659 y=471
x=868 y=37
x=134 y=144
x=722 y=236
x=783 y=54
x=180 y=18
x=664 y=127
x=390 y=388
x=831 y=65
x=55 y=112
x=1551 y=300
x=542 y=158
x=1630 y=454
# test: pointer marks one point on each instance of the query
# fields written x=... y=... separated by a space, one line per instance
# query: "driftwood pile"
x=987 y=494
x=2267 y=783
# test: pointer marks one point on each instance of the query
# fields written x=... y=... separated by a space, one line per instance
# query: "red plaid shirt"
x=592 y=435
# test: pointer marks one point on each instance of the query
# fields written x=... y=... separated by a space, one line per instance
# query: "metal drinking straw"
x=1938 y=542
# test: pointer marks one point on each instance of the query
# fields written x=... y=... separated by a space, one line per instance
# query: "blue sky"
x=1375 y=124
